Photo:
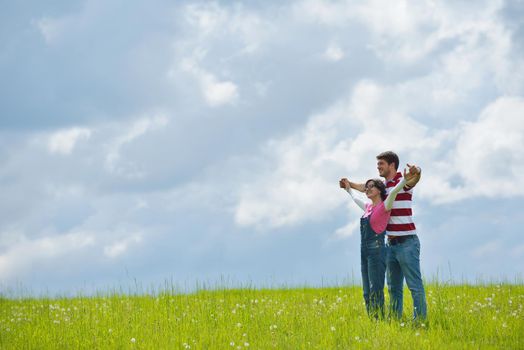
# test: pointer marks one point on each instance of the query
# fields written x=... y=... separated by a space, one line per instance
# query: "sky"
x=196 y=142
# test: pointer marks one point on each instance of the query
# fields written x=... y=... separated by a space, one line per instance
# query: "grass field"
x=460 y=317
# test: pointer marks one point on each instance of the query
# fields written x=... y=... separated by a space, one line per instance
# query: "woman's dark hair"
x=380 y=186
x=389 y=157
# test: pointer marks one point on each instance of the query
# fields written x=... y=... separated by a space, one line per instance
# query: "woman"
x=372 y=232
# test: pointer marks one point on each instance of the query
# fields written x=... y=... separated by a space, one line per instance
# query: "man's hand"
x=408 y=176
x=413 y=169
x=413 y=176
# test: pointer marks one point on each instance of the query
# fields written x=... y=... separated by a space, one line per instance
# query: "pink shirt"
x=379 y=217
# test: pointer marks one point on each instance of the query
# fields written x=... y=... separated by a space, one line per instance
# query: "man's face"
x=385 y=169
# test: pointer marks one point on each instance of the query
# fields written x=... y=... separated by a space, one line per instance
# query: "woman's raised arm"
x=357 y=200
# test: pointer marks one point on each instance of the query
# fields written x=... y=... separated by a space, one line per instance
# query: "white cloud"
x=113 y=160
x=285 y=203
x=207 y=18
x=406 y=31
x=64 y=141
x=353 y=225
x=57 y=30
x=246 y=29
x=479 y=158
x=434 y=64
x=140 y=127
x=216 y=93
x=20 y=257
x=334 y=53
x=489 y=153
x=325 y=12
x=381 y=16
x=242 y=31
x=119 y=247
x=50 y=29
x=305 y=167
x=484 y=159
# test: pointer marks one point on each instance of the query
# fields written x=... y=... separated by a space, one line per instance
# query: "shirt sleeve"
x=388 y=203
x=357 y=200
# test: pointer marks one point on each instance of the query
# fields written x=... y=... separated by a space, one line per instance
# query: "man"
x=403 y=245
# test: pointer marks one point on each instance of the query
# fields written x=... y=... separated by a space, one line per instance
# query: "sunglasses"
x=370 y=186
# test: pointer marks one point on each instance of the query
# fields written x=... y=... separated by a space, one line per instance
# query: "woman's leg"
x=376 y=276
x=365 y=276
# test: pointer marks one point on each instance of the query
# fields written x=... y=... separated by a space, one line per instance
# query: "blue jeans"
x=373 y=267
x=403 y=260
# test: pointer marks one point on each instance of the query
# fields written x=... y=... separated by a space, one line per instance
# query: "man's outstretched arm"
x=344 y=182
x=358 y=187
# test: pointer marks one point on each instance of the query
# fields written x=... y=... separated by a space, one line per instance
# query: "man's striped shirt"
x=401 y=219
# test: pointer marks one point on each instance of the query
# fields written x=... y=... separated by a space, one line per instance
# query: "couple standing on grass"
x=389 y=213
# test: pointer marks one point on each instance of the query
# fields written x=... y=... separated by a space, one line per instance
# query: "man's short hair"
x=389 y=157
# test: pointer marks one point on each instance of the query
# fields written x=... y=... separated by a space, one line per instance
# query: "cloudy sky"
x=203 y=141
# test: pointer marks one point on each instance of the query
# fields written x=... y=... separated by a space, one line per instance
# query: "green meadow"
x=460 y=317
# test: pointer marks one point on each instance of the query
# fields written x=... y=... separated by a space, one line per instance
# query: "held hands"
x=344 y=183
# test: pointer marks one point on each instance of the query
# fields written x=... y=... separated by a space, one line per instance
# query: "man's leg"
x=395 y=282
x=410 y=264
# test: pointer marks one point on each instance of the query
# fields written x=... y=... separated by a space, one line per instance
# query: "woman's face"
x=371 y=190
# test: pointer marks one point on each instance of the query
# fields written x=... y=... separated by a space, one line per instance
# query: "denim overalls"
x=373 y=265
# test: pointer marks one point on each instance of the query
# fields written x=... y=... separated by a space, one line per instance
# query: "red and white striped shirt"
x=401 y=219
